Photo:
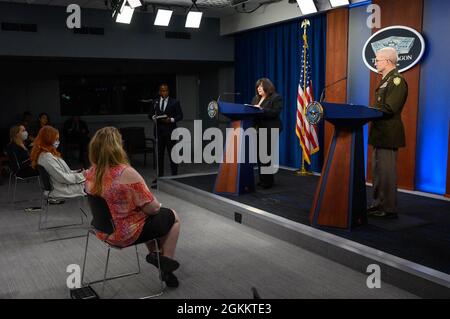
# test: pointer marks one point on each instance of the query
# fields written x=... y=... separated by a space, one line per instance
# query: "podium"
x=235 y=175
x=340 y=200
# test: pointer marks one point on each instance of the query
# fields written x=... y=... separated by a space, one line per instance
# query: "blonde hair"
x=13 y=131
x=105 y=150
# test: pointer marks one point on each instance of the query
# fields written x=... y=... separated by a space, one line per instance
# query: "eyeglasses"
x=376 y=60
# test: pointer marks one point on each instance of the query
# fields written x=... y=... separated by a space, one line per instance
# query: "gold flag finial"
x=305 y=24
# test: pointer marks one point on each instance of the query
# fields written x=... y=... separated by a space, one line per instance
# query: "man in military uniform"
x=387 y=134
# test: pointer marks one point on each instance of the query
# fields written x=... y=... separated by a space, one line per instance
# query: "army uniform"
x=387 y=135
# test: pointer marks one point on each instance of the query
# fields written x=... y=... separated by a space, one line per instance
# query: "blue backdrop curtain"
x=274 y=52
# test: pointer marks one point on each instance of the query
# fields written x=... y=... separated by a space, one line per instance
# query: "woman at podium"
x=268 y=100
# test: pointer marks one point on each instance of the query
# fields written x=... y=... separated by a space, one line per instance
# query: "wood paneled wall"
x=336 y=63
x=407 y=13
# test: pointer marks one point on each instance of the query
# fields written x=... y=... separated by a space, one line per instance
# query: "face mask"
x=56 y=144
x=24 y=135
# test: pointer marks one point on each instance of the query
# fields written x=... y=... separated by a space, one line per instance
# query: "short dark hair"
x=164 y=84
x=267 y=86
x=42 y=114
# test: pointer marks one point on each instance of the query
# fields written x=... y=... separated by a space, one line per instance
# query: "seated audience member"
x=137 y=215
x=18 y=135
x=27 y=122
x=42 y=121
x=76 y=132
x=66 y=182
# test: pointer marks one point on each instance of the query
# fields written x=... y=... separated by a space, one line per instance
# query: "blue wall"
x=358 y=82
x=434 y=100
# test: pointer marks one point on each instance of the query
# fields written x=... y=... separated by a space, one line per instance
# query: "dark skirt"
x=157 y=226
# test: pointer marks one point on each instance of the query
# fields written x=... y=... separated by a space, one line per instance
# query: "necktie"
x=163 y=104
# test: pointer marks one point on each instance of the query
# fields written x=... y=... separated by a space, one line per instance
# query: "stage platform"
x=413 y=251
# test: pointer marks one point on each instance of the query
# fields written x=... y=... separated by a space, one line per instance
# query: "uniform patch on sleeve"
x=397 y=81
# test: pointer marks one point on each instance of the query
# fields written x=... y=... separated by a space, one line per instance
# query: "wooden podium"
x=340 y=199
x=236 y=177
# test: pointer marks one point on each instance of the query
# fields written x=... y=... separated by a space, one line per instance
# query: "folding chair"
x=47 y=189
x=15 y=173
x=102 y=222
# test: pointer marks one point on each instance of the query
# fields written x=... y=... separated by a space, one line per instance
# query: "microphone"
x=227 y=93
x=146 y=100
x=322 y=95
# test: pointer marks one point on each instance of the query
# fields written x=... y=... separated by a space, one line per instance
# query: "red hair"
x=44 y=143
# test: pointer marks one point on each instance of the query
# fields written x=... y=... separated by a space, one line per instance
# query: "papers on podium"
x=159 y=117
x=255 y=106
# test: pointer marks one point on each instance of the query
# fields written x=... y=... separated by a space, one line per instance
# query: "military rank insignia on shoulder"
x=397 y=81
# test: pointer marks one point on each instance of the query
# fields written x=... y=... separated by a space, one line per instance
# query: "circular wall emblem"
x=213 y=109
x=409 y=44
x=314 y=112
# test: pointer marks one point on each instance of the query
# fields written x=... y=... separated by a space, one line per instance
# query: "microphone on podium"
x=227 y=93
x=322 y=95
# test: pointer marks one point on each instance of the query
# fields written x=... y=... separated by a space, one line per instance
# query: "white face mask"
x=56 y=144
x=24 y=135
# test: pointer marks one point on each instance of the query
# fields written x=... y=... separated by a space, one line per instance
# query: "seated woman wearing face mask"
x=65 y=182
x=17 y=149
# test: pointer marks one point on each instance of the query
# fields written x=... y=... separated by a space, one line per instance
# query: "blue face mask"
x=56 y=144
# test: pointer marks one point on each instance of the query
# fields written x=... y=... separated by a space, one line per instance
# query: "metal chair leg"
x=44 y=211
x=14 y=191
x=106 y=269
x=105 y=278
x=43 y=226
x=85 y=257
x=160 y=273
x=9 y=184
x=137 y=259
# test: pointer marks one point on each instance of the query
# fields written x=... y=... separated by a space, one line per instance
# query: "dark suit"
x=172 y=110
x=272 y=106
x=77 y=133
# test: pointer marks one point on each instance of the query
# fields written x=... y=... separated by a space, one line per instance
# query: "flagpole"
x=302 y=171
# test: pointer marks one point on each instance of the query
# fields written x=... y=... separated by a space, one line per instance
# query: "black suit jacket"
x=173 y=110
x=272 y=107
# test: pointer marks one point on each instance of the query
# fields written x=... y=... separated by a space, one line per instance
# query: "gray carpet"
x=219 y=259
x=405 y=222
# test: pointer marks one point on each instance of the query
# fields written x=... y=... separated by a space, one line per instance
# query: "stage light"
x=307 y=6
x=193 y=18
x=163 y=17
x=339 y=3
x=134 y=3
x=123 y=10
x=125 y=15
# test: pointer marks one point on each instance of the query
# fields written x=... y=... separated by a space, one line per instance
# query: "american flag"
x=306 y=133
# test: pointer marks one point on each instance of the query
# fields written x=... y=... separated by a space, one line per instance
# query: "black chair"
x=136 y=143
x=16 y=173
x=102 y=222
x=47 y=189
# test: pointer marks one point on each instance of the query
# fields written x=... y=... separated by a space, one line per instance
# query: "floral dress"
x=125 y=201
